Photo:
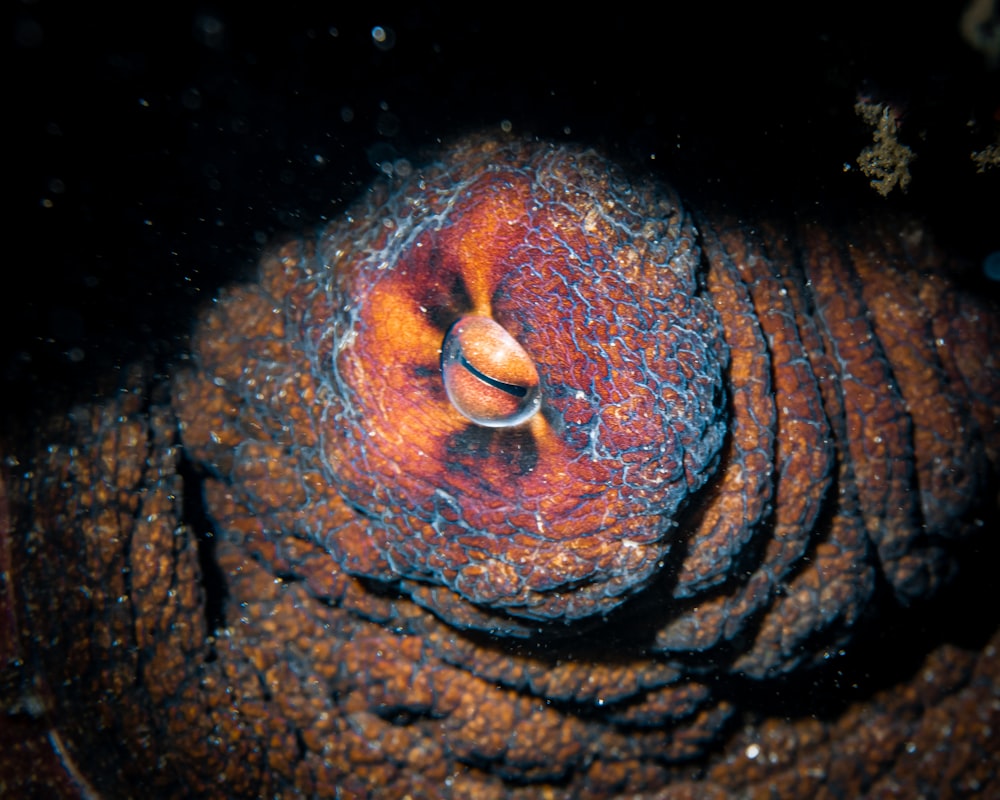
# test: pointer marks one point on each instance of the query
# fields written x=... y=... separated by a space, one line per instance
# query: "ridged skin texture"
x=749 y=441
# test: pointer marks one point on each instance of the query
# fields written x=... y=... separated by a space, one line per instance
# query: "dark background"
x=157 y=148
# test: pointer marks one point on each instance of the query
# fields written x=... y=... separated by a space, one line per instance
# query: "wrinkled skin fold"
x=294 y=564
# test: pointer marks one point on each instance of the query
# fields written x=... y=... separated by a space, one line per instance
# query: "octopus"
x=521 y=480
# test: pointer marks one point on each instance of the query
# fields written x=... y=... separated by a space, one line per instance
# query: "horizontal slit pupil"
x=510 y=388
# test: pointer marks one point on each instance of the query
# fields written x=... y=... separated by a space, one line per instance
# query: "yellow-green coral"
x=886 y=162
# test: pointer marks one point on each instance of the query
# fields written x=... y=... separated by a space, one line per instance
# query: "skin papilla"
x=322 y=559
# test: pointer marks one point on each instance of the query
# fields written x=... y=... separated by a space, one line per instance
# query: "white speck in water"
x=383 y=38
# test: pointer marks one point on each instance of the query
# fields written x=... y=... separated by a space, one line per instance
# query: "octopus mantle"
x=519 y=480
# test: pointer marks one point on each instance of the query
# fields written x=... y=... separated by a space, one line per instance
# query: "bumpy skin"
x=748 y=442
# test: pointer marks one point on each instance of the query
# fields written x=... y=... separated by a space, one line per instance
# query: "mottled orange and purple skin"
x=748 y=440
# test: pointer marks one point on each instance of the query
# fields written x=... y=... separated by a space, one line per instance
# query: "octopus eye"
x=488 y=376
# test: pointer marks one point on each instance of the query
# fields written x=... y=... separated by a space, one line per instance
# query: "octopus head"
x=526 y=383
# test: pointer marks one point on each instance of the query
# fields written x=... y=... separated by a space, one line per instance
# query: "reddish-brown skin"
x=297 y=569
